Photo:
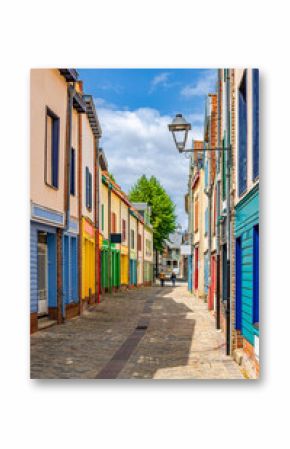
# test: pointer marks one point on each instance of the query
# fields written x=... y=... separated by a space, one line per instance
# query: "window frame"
x=56 y=120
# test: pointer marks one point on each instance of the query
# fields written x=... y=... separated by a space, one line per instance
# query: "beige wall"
x=47 y=89
x=104 y=201
x=133 y=225
x=140 y=231
x=88 y=149
x=149 y=236
x=116 y=208
x=124 y=216
x=75 y=144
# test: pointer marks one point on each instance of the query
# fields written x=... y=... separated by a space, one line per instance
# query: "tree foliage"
x=163 y=218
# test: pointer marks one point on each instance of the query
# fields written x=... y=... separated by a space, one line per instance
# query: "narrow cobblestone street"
x=159 y=333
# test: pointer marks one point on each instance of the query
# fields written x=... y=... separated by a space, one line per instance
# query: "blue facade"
x=133 y=272
x=70 y=269
x=35 y=229
x=189 y=280
x=247 y=265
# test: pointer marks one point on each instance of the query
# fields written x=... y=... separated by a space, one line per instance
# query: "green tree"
x=163 y=218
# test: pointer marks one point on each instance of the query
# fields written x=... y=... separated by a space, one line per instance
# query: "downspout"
x=218 y=190
x=109 y=239
x=80 y=193
x=97 y=221
x=190 y=228
x=209 y=195
x=71 y=92
x=129 y=247
x=60 y=303
x=228 y=162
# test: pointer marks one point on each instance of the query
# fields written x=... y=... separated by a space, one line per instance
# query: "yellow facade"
x=88 y=259
x=124 y=269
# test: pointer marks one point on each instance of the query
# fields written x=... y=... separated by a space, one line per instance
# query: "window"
x=88 y=189
x=175 y=263
x=255 y=84
x=132 y=239
x=72 y=172
x=51 y=148
x=168 y=263
x=103 y=217
x=123 y=230
x=148 y=247
x=242 y=138
x=139 y=243
x=113 y=222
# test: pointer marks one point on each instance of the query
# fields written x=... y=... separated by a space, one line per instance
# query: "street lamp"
x=179 y=128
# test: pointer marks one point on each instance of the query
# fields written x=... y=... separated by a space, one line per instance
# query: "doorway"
x=42 y=273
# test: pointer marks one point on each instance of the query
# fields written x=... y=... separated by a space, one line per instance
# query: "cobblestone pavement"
x=160 y=333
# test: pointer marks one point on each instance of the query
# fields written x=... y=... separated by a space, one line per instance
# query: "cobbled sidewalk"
x=159 y=333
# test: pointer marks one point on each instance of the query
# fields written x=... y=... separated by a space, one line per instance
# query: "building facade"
x=56 y=106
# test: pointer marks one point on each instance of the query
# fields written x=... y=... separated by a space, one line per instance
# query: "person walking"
x=173 y=278
x=162 y=278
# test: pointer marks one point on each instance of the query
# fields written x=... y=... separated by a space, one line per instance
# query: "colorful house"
x=125 y=256
x=146 y=243
x=133 y=230
x=55 y=108
x=89 y=243
x=247 y=214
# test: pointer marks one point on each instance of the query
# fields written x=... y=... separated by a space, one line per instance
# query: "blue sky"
x=134 y=107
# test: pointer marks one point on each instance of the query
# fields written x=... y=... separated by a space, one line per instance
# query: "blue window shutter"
x=243 y=136
x=55 y=151
x=87 y=188
x=90 y=189
x=255 y=123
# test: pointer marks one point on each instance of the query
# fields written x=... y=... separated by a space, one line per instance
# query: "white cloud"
x=203 y=86
x=138 y=142
x=162 y=80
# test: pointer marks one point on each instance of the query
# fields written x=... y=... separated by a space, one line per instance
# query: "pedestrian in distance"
x=162 y=278
x=173 y=278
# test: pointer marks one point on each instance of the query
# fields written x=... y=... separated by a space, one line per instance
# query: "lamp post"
x=179 y=128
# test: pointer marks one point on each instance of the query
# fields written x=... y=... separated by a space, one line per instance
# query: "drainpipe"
x=129 y=246
x=60 y=304
x=97 y=221
x=190 y=224
x=109 y=240
x=71 y=92
x=218 y=190
x=80 y=194
x=228 y=163
x=209 y=196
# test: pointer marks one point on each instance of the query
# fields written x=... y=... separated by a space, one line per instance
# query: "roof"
x=92 y=115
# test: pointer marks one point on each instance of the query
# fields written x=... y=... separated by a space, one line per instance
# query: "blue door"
x=189 y=281
x=52 y=276
x=256 y=275
x=65 y=272
x=74 y=269
x=238 y=284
